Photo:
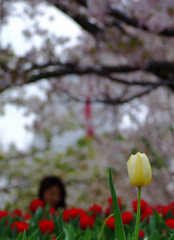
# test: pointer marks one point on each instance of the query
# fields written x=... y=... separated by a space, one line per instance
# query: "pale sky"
x=12 y=124
x=60 y=25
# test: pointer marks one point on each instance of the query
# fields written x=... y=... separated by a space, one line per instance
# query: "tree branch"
x=164 y=70
x=94 y=28
x=80 y=19
x=132 y=21
x=116 y=101
x=141 y=83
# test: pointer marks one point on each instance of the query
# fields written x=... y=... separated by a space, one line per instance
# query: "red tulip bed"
x=96 y=223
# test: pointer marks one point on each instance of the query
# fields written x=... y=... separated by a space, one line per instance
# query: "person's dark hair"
x=49 y=182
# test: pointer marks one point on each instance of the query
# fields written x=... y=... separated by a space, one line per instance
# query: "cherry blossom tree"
x=120 y=72
x=125 y=44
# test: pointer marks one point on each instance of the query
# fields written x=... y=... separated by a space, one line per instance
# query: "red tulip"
x=170 y=223
x=111 y=223
x=72 y=213
x=141 y=234
x=20 y=226
x=86 y=221
x=27 y=216
x=35 y=203
x=95 y=209
x=143 y=205
x=148 y=211
x=126 y=217
x=172 y=207
x=17 y=213
x=3 y=214
x=46 y=226
x=52 y=211
x=163 y=210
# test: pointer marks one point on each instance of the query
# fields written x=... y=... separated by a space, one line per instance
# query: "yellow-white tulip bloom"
x=139 y=170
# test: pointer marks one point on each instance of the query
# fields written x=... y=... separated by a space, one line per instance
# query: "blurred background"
x=83 y=85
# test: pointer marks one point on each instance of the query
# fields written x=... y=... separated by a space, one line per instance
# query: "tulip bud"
x=139 y=170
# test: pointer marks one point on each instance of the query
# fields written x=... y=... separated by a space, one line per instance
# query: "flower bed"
x=76 y=223
x=113 y=223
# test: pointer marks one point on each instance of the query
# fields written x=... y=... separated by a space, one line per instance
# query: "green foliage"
x=119 y=230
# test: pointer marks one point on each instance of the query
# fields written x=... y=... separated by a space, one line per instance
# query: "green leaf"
x=171 y=237
x=119 y=230
x=83 y=142
x=87 y=234
x=59 y=236
x=79 y=234
x=24 y=236
x=69 y=232
x=2 y=224
x=38 y=215
x=59 y=226
x=33 y=235
x=19 y=236
x=153 y=236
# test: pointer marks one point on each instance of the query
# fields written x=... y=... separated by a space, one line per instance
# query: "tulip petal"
x=139 y=170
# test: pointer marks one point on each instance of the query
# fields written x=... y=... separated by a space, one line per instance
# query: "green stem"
x=138 y=214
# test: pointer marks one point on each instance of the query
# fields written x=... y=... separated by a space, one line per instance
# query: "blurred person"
x=52 y=191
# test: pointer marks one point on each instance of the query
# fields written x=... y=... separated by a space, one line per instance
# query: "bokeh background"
x=83 y=85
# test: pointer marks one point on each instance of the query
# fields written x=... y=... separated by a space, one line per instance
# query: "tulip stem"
x=138 y=214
